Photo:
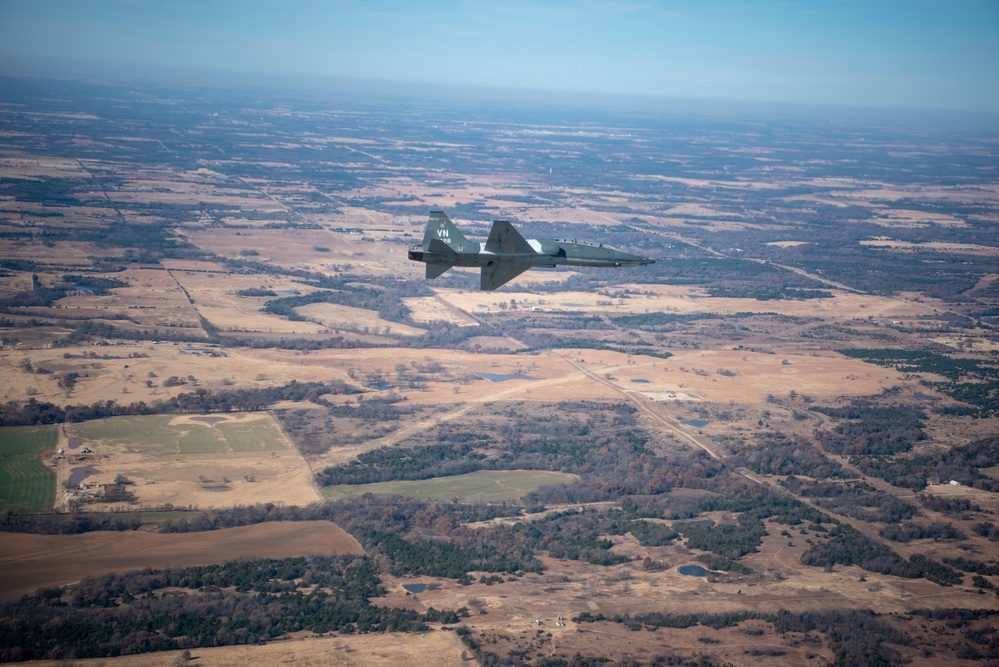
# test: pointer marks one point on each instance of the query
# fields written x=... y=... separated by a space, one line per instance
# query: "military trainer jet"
x=507 y=254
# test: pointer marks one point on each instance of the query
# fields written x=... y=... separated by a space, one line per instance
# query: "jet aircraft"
x=507 y=254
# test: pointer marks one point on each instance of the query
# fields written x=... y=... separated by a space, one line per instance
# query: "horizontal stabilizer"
x=505 y=240
x=434 y=270
x=499 y=273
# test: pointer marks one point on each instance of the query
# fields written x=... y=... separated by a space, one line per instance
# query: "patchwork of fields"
x=208 y=300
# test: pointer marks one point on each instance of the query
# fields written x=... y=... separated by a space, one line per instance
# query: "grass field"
x=26 y=483
x=492 y=485
x=152 y=435
x=199 y=461
x=254 y=436
x=165 y=434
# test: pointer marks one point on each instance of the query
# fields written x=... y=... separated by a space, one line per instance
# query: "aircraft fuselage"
x=549 y=253
x=507 y=254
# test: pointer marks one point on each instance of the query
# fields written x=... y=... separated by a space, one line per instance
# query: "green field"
x=489 y=485
x=153 y=435
x=255 y=436
x=26 y=483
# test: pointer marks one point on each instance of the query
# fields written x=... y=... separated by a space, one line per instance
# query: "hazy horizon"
x=928 y=54
x=319 y=87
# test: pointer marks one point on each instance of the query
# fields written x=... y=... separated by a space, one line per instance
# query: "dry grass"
x=335 y=316
x=681 y=300
x=432 y=649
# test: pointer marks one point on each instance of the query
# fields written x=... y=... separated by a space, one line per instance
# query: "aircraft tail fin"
x=441 y=229
x=504 y=239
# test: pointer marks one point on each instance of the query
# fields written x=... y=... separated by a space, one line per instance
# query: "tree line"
x=33 y=412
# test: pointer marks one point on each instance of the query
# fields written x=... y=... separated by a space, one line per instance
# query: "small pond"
x=380 y=386
x=697 y=423
x=499 y=377
x=75 y=442
x=692 y=571
x=641 y=380
x=77 y=475
x=415 y=588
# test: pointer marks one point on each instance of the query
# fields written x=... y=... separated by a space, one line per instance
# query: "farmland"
x=209 y=292
x=32 y=561
x=194 y=460
x=26 y=482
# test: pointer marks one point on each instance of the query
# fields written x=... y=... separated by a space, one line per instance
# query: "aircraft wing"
x=505 y=240
x=496 y=274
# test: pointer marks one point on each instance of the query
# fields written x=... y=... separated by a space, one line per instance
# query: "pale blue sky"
x=902 y=53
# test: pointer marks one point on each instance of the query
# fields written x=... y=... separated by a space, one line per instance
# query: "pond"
x=415 y=588
x=499 y=377
x=77 y=475
x=697 y=423
x=75 y=442
x=692 y=571
x=641 y=380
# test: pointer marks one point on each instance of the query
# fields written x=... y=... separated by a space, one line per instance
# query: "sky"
x=931 y=54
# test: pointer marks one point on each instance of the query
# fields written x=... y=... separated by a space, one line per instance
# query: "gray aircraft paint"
x=506 y=254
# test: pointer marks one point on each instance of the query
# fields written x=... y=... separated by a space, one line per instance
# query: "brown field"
x=29 y=562
x=153 y=298
x=334 y=316
x=844 y=306
x=960 y=248
x=280 y=246
x=24 y=166
x=436 y=649
x=431 y=309
x=215 y=298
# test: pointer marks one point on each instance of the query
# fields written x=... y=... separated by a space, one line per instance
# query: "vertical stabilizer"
x=440 y=228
